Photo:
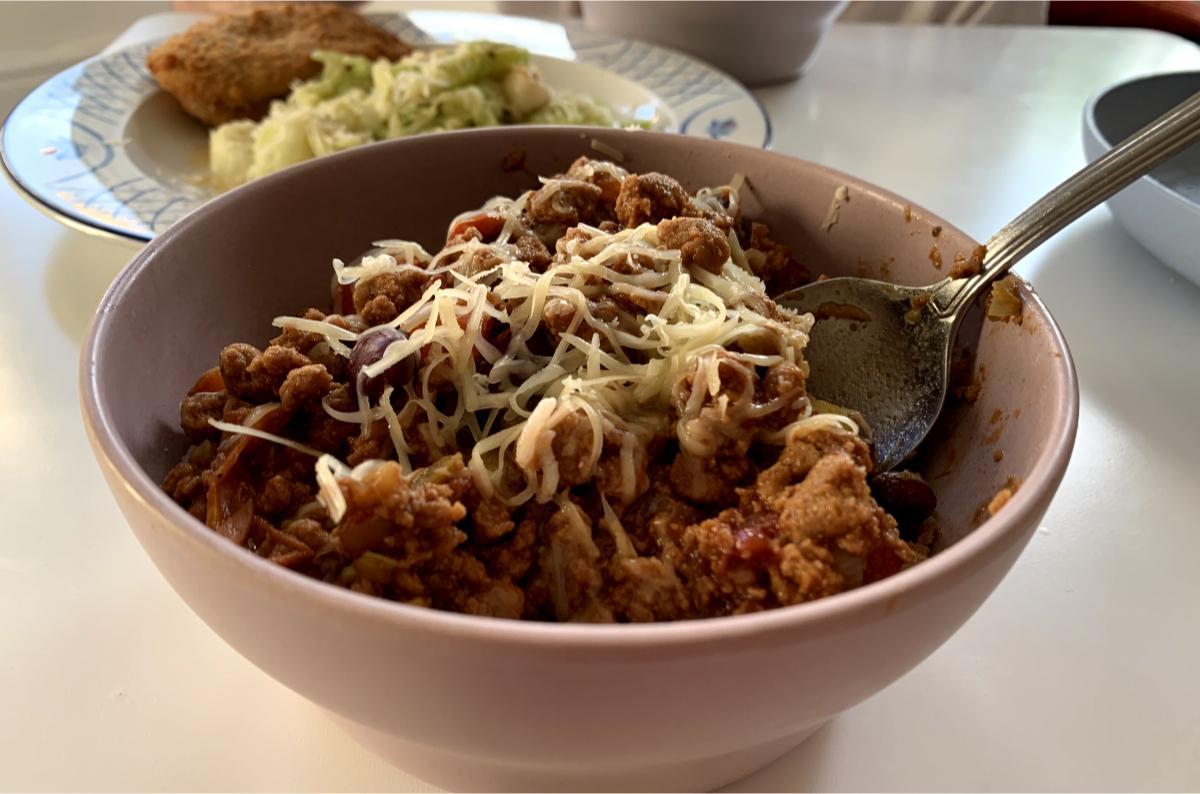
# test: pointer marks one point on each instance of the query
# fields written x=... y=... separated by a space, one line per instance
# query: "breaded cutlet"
x=232 y=65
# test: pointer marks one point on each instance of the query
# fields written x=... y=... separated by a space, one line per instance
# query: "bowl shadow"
x=800 y=770
x=78 y=272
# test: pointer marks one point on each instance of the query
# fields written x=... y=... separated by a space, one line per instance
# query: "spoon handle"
x=1132 y=158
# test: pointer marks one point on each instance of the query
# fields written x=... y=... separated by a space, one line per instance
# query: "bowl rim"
x=1092 y=130
x=1038 y=485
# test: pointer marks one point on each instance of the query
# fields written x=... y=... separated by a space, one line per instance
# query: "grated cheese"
x=613 y=524
x=227 y=427
x=663 y=346
x=335 y=336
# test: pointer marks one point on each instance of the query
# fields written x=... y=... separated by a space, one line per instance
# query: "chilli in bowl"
x=584 y=407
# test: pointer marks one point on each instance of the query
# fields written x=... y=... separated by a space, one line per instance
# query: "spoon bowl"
x=871 y=351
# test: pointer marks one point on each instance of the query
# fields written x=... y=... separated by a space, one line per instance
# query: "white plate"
x=102 y=148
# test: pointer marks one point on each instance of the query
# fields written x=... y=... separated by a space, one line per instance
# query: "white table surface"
x=1079 y=672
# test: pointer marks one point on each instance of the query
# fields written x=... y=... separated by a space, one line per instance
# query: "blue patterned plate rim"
x=63 y=144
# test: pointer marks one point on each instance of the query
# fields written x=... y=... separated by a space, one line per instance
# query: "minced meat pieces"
x=772 y=261
x=573 y=445
x=637 y=302
x=646 y=589
x=397 y=290
x=337 y=366
x=375 y=444
x=604 y=309
x=586 y=193
x=386 y=513
x=819 y=490
x=807 y=528
x=235 y=362
x=714 y=420
x=184 y=482
x=708 y=481
x=491 y=519
x=566 y=202
x=832 y=511
x=256 y=376
x=379 y=310
x=300 y=341
x=326 y=433
x=720 y=580
x=309 y=532
x=569 y=582
x=304 y=384
x=723 y=501
x=195 y=412
x=802 y=453
x=461 y=583
x=558 y=315
x=277 y=362
x=784 y=384
x=611 y=469
x=472 y=260
x=278 y=547
x=281 y=494
x=513 y=558
x=534 y=252
x=650 y=198
x=604 y=175
x=700 y=243
x=236 y=410
x=657 y=520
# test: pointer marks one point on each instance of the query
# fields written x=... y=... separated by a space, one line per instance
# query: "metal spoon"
x=884 y=350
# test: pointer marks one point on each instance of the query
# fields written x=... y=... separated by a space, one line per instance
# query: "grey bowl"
x=1162 y=210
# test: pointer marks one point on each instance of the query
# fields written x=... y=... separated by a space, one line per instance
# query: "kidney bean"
x=369 y=348
x=906 y=496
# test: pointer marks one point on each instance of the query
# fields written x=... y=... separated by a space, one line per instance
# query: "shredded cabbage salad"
x=356 y=101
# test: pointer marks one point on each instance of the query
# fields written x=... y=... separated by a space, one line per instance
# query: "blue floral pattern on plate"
x=66 y=144
x=721 y=128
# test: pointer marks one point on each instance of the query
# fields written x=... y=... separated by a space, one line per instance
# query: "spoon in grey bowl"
x=884 y=350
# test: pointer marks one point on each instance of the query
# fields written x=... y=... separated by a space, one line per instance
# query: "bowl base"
x=457 y=772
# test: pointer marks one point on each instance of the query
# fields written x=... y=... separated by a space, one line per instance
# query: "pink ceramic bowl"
x=468 y=702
